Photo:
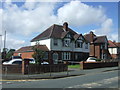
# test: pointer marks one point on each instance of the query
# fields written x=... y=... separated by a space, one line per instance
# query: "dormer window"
x=68 y=36
x=66 y=43
x=55 y=42
x=86 y=45
x=78 y=44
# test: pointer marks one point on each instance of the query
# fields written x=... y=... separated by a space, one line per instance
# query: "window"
x=103 y=46
x=68 y=35
x=78 y=44
x=66 y=43
x=55 y=58
x=55 y=42
x=45 y=56
x=17 y=62
x=66 y=56
x=37 y=42
x=86 y=45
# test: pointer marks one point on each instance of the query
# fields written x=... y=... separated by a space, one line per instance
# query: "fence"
x=9 y=69
x=36 y=69
x=33 y=69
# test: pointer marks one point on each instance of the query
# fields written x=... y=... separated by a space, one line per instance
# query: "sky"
x=25 y=20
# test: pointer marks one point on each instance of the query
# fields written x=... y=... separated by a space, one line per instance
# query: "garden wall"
x=33 y=69
x=92 y=65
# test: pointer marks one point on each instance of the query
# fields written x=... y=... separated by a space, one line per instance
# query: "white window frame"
x=80 y=44
x=66 y=55
x=66 y=42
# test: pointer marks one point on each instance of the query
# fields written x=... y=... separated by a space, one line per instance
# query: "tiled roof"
x=97 y=39
x=118 y=44
x=55 y=31
x=88 y=37
x=30 y=48
x=113 y=44
x=100 y=39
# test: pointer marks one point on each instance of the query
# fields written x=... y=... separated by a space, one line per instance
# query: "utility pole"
x=5 y=46
x=1 y=47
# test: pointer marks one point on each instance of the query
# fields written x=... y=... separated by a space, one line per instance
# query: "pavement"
x=70 y=73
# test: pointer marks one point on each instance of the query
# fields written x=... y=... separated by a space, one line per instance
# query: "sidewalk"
x=70 y=72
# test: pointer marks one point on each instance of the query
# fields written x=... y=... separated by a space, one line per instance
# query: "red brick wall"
x=25 y=54
x=92 y=65
x=97 y=51
x=114 y=56
x=92 y=50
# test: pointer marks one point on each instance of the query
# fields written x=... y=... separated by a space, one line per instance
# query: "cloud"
x=36 y=17
x=28 y=19
x=78 y=13
x=32 y=17
x=1 y=21
x=106 y=27
x=12 y=42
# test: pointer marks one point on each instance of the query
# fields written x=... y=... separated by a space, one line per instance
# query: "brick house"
x=98 y=45
x=63 y=44
x=114 y=49
x=27 y=52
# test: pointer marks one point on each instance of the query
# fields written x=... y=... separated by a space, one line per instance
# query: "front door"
x=55 y=58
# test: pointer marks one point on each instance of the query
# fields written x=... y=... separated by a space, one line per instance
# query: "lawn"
x=74 y=66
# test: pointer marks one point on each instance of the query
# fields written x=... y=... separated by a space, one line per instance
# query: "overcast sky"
x=25 y=20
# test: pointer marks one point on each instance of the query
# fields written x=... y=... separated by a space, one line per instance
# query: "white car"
x=91 y=59
x=31 y=60
x=14 y=61
x=44 y=63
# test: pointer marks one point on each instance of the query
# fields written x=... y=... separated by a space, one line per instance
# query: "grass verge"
x=74 y=66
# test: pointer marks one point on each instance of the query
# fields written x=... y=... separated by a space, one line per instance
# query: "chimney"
x=65 y=26
x=92 y=46
x=91 y=37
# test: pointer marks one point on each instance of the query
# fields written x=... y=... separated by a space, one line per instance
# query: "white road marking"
x=8 y=82
x=96 y=84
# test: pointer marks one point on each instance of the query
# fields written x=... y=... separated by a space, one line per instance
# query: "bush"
x=98 y=59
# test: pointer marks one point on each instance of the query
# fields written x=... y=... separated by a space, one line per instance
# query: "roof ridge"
x=102 y=36
x=52 y=30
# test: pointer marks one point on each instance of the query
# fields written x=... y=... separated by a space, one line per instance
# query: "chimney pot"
x=65 y=26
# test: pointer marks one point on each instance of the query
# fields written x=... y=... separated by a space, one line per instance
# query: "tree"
x=4 y=53
x=7 y=54
x=38 y=55
x=10 y=53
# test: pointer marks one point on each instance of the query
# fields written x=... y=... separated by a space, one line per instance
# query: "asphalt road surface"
x=107 y=79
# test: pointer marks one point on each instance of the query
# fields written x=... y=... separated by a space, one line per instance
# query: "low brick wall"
x=92 y=65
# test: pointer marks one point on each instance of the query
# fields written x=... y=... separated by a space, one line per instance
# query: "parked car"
x=44 y=63
x=91 y=59
x=12 y=58
x=31 y=60
x=14 y=61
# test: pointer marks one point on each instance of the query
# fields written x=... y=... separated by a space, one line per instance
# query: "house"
x=98 y=45
x=27 y=52
x=63 y=44
x=114 y=49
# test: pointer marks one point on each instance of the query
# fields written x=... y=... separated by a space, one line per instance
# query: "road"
x=107 y=79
